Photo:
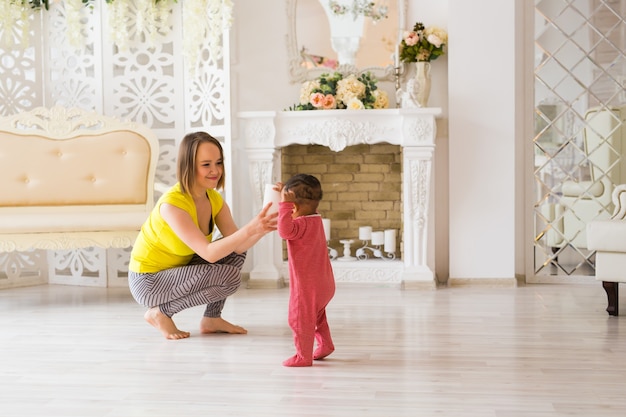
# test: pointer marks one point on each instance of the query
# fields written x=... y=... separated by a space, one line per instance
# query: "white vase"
x=417 y=88
x=421 y=84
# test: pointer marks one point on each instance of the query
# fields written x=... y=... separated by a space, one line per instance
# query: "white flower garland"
x=151 y=17
x=74 y=26
x=205 y=21
x=118 y=12
x=12 y=12
x=17 y=14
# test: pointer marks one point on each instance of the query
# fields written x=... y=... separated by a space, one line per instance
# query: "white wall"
x=259 y=57
x=482 y=106
x=475 y=210
x=435 y=13
x=260 y=81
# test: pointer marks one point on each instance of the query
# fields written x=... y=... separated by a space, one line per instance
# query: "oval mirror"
x=348 y=36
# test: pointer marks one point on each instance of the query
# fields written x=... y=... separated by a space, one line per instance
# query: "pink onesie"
x=311 y=284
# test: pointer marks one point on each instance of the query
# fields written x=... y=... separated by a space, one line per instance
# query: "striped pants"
x=197 y=283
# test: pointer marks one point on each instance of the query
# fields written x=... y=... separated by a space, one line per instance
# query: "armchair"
x=608 y=239
x=583 y=201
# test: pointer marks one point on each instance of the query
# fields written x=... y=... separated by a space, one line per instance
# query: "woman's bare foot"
x=164 y=324
x=219 y=325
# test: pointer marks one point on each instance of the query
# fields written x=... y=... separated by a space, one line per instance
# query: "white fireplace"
x=266 y=132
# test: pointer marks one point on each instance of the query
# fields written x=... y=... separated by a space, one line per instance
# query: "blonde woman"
x=175 y=264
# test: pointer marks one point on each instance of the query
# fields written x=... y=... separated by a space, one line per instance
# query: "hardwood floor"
x=538 y=350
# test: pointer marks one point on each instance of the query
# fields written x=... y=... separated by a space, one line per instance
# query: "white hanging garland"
x=205 y=21
x=11 y=13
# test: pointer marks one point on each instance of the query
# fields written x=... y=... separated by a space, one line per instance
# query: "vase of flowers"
x=419 y=47
x=419 y=85
x=339 y=91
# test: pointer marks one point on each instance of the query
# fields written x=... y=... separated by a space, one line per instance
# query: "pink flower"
x=317 y=100
x=411 y=38
x=330 y=63
x=329 y=102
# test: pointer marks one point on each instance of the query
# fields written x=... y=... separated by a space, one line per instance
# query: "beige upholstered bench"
x=73 y=179
x=608 y=239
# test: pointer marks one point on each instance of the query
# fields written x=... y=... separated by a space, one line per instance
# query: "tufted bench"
x=608 y=239
x=73 y=179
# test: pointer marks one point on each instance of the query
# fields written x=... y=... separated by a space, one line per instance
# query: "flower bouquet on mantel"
x=423 y=44
x=420 y=46
x=337 y=91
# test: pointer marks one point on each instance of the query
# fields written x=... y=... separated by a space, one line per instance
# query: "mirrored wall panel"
x=580 y=127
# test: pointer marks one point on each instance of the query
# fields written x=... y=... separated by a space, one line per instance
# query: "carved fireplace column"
x=263 y=157
x=418 y=149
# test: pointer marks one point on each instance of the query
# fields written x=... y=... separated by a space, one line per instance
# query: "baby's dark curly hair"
x=305 y=187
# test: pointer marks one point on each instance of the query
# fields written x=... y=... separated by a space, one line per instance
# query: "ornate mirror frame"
x=299 y=73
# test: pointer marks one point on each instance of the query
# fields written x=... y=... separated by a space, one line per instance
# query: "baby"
x=311 y=279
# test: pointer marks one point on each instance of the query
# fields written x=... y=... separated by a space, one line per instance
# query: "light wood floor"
x=539 y=350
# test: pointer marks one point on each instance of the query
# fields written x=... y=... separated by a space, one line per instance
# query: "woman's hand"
x=266 y=222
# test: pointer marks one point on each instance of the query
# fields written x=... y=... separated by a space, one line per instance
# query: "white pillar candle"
x=378 y=238
x=326 y=223
x=396 y=58
x=271 y=196
x=365 y=233
x=390 y=240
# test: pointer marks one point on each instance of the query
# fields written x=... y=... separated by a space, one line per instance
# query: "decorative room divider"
x=142 y=77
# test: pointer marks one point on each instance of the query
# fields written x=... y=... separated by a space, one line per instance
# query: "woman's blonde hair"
x=187 y=154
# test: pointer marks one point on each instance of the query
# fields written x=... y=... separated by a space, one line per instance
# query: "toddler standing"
x=311 y=282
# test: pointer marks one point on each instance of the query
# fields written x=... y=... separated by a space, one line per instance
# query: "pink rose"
x=329 y=102
x=411 y=38
x=317 y=100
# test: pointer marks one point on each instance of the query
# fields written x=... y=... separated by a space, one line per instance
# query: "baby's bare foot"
x=219 y=325
x=164 y=324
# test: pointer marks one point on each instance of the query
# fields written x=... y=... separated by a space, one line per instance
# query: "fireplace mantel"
x=266 y=132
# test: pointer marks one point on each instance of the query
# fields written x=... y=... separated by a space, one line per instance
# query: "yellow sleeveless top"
x=157 y=247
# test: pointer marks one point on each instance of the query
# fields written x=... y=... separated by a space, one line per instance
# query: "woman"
x=174 y=263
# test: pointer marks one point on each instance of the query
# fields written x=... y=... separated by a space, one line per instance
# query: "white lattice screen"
x=147 y=81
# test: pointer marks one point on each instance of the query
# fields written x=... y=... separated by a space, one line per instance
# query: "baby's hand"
x=287 y=195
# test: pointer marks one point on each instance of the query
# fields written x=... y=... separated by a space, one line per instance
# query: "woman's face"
x=209 y=166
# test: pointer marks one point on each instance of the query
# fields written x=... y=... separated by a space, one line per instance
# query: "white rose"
x=307 y=89
x=382 y=100
x=434 y=39
x=440 y=34
x=349 y=88
x=354 y=104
